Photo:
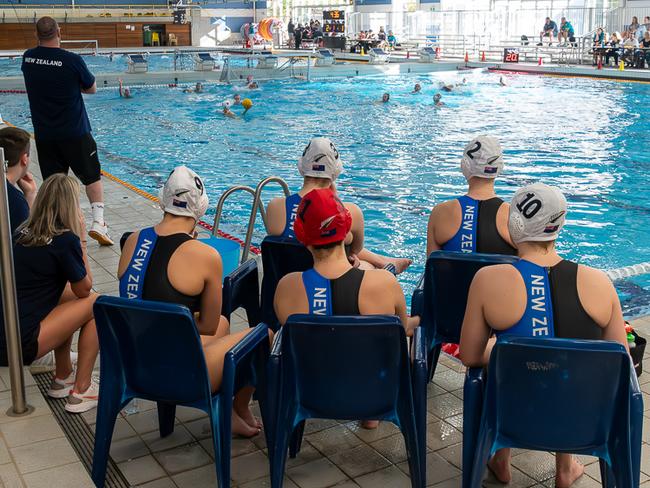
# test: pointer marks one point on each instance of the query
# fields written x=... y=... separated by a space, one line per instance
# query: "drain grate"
x=79 y=434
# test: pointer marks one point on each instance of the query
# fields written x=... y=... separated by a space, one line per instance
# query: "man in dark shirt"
x=16 y=144
x=549 y=30
x=55 y=80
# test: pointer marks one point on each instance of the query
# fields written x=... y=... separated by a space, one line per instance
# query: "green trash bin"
x=147 y=38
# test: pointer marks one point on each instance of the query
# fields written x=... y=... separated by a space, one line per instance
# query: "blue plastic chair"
x=441 y=297
x=561 y=395
x=152 y=350
x=280 y=256
x=346 y=368
x=241 y=288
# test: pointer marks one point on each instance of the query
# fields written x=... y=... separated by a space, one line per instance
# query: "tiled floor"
x=34 y=452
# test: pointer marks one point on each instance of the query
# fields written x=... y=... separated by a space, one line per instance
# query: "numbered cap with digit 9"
x=537 y=214
x=482 y=158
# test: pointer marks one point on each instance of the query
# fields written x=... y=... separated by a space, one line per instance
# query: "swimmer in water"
x=385 y=97
x=227 y=112
x=446 y=87
x=236 y=99
x=462 y=83
x=250 y=84
x=416 y=89
x=198 y=88
x=125 y=92
x=437 y=100
x=502 y=82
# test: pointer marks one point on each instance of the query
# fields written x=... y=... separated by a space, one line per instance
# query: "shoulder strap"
x=465 y=239
x=132 y=282
x=291 y=204
x=319 y=292
x=537 y=320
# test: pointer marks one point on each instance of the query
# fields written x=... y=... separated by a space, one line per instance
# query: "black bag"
x=637 y=353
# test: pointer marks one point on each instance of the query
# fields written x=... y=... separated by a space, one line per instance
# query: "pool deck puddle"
x=34 y=451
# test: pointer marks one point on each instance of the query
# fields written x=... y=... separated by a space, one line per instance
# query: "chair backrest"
x=205 y=57
x=558 y=394
x=154 y=346
x=378 y=51
x=137 y=58
x=447 y=277
x=345 y=367
x=280 y=256
x=326 y=53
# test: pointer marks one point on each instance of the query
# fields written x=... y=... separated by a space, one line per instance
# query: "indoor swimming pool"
x=588 y=137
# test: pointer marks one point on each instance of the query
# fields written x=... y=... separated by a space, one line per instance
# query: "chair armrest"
x=244 y=347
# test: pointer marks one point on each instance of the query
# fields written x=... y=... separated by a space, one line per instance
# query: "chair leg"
x=432 y=360
x=622 y=466
x=107 y=412
x=472 y=408
x=282 y=433
x=606 y=475
x=166 y=416
x=296 y=439
x=416 y=453
x=481 y=457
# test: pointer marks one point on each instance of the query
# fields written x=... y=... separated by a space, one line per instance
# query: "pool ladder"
x=257 y=205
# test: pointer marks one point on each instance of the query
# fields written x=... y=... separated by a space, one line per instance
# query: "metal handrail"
x=222 y=200
x=10 y=304
x=256 y=203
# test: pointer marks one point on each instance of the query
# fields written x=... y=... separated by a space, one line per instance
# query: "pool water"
x=589 y=138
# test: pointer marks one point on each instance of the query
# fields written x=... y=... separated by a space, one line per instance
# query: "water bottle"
x=131 y=408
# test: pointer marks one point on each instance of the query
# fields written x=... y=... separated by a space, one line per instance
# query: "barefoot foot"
x=370 y=424
x=499 y=466
x=400 y=264
x=242 y=428
x=568 y=474
x=248 y=417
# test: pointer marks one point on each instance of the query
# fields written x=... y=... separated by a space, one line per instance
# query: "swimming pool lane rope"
x=628 y=271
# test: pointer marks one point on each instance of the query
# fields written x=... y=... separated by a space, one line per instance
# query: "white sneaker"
x=99 y=232
x=82 y=402
x=61 y=388
x=47 y=363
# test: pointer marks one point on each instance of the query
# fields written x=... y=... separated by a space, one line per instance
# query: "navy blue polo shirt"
x=41 y=275
x=54 y=78
x=18 y=207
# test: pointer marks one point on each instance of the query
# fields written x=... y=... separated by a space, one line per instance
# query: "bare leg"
x=370 y=424
x=241 y=407
x=379 y=261
x=500 y=465
x=215 y=350
x=56 y=334
x=568 y=470
x=95 y=192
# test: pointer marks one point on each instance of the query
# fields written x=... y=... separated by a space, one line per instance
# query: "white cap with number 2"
x=482 y=158
x=537 y=214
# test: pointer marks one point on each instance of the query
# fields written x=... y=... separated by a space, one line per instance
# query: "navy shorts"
x=78 y=154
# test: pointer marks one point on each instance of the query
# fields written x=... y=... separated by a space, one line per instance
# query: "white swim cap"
x=226 y=104
x=184 y=194
x=320 y=159
x=537 y=214
x=483 y=158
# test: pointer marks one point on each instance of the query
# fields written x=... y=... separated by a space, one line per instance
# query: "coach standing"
x=55 y=79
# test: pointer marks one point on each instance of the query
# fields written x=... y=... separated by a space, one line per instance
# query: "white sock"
x=98 y=212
